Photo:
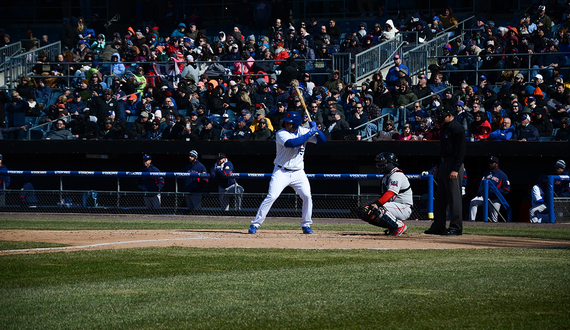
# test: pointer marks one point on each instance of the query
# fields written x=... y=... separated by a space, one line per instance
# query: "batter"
x=289 y=168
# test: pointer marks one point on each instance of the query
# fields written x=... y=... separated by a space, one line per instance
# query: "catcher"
x=396 y=201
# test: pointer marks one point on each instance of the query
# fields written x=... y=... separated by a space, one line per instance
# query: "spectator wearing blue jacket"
x=525 y=131
x=549 y=60
x=150 y=185
x=436 y=85
x=132 y=105
x=463 y=117
x=394 y=73
x=16 y=114
x=179 y=32
x=500 y=180
x=117 y=67
x=76 y=105
x=42 y=93
x=504 y=133
x=221 y=173
x=195 y=186
x=497 y=107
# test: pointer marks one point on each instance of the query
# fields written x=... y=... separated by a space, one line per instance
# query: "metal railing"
x=233 y=202
x=21 y=65
x=44 y=126
x=342 y=62
x=8 y=51
x=489 y=185
x=563 y=204
x=417 y=59
x=527 y=70
x=377 y=119
x=376 y=58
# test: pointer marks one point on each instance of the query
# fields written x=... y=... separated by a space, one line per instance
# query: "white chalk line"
x=105 y=244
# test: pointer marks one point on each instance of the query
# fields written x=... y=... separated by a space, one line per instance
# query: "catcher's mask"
x=385 y=162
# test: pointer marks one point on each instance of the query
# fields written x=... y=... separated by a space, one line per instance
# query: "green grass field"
x=192 y=288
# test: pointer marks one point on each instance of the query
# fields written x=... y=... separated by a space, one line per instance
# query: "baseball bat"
x=303 y=102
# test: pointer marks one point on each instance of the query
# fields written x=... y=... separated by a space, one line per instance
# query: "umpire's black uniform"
x=449 y=190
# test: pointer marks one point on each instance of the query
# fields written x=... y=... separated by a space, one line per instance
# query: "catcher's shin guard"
x=386 y=219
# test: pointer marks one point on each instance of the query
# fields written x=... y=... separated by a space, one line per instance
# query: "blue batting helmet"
x=293 y=117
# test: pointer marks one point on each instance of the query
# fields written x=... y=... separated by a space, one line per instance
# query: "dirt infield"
x=285 y=239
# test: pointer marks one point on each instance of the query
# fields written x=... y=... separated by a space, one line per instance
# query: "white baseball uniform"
x=288 y=171
x=399 y=207
x=537 y=213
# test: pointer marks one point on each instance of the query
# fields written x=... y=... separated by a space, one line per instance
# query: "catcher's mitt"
x=367 y=213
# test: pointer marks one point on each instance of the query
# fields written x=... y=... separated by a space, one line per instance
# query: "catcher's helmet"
x=293 y=117
x=384 y=159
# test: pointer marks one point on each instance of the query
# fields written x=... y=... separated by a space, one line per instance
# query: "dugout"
x=521 y=161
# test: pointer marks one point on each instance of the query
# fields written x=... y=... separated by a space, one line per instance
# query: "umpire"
x=449 y=176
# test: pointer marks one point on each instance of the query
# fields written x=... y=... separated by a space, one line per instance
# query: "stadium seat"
x=217 y=118
x=130 y=121
x=52 y=99
x=183 y=112
x=42 y=101
x=31 y=121
x=394 y=115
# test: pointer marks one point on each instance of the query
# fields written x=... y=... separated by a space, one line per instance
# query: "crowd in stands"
x=170 y=80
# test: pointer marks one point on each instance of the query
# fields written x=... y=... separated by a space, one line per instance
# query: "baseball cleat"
x=252 y=229
x=307 y=230
x=399 y=231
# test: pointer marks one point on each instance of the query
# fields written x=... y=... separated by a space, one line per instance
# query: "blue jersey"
x=561 y=188
x=195 y=184
x=152 y=183
x=4 y=180
x=499 y=179
x=221 y=174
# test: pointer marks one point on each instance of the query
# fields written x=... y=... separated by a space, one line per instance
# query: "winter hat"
x=559 y=164
x=193 y=153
